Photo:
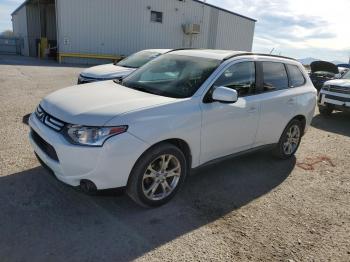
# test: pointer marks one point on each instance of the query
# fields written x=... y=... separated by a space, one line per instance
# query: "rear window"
x=296 y=78
x=275 y=76
x=138 y=59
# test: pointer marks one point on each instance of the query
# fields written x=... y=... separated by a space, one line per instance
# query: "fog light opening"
x=88 y=186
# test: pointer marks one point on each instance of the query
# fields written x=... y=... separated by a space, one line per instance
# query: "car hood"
x=95 y=104
x=318 y=66
x=339 y=82
x=108 y=71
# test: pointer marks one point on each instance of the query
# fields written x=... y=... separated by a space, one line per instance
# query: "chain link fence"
x=10 y=45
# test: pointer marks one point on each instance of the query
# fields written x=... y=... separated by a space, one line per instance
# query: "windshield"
x=347 y=75
x=138 y=59
x=172 y=75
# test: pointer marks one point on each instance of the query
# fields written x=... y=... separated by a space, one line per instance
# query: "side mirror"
x=225 y=95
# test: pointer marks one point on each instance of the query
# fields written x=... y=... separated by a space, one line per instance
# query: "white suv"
x=180 y=111
x=335 y=95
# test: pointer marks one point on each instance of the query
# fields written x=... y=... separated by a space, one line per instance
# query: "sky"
x=6 y=8
x=296 y=28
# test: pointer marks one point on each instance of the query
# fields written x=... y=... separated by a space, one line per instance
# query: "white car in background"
x=335 y=95
x=117 y=71
x=343 y=71
x=180 y=111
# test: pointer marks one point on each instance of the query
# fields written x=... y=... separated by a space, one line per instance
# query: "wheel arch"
x=302 y=120
x=179 y=143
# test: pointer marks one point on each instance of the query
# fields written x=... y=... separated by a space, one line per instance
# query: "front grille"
x=339 y=89
x=338 y=98
x=49 y=120
x=86 y=80
x=44 y=146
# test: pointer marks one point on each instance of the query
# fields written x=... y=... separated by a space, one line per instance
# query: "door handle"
x=252 y=109
x=291 y=101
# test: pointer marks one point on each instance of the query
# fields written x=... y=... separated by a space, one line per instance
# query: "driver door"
x=231 y=128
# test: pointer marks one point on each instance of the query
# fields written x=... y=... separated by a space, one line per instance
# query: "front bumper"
x=107 y=167
x=338 y=100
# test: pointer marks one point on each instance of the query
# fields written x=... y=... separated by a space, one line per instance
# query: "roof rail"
x=260 y=54
x=184 y=48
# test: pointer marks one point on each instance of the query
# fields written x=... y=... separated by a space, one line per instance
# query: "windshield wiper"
x=132 y=67
x=138 y=88
x=142 y=89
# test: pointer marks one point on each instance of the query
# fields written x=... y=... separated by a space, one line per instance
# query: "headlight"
x=92 y=136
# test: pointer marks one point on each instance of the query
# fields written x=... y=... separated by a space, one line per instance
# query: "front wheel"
x=290 y=140
x=326 y=110
x=157 y=175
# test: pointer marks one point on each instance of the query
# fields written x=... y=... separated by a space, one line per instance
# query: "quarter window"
x=296 y=78
x=156 y=17
x=275 y=76
x=240 y=77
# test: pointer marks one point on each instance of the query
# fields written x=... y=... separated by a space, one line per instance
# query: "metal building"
x=85 y=30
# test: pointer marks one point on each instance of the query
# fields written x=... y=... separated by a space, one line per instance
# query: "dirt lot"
x=248 y=208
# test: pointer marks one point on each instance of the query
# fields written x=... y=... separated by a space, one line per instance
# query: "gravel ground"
x=248 y=208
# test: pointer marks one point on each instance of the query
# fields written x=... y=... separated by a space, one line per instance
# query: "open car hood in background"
x=324 y=66
x=344 y=65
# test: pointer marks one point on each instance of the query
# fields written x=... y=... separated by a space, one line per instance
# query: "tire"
x=283 y=150
x=326 y=110
x=150 y=177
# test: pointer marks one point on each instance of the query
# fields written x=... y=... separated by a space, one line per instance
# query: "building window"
x=156 y=17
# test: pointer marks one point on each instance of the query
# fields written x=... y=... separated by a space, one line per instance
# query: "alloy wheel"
x=161 y=177
x=292 y=140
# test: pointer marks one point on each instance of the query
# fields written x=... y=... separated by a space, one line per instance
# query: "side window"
x=240 y=77
x=296 y=78
x=275 y=76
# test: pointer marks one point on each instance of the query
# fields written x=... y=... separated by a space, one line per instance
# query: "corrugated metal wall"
x=19 y=23
x=213 y=28
x=33 y=22
x=50 y=19
x=30 y=25
x=123 y=27
x=234 y=31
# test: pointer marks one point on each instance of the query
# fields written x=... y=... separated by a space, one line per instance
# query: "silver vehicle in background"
x=117 y=71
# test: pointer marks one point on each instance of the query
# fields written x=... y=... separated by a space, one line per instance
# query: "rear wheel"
x=290 y=140
x=326 y=110
x=157 y=175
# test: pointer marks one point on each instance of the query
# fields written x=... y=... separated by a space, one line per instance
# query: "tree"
x=7 y=33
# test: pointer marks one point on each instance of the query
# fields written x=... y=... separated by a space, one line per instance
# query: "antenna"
x=273 y=49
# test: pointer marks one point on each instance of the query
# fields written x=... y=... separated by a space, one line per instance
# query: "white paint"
x=211 y=130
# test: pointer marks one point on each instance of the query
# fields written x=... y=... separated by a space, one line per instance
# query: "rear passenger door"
x=278 y=101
